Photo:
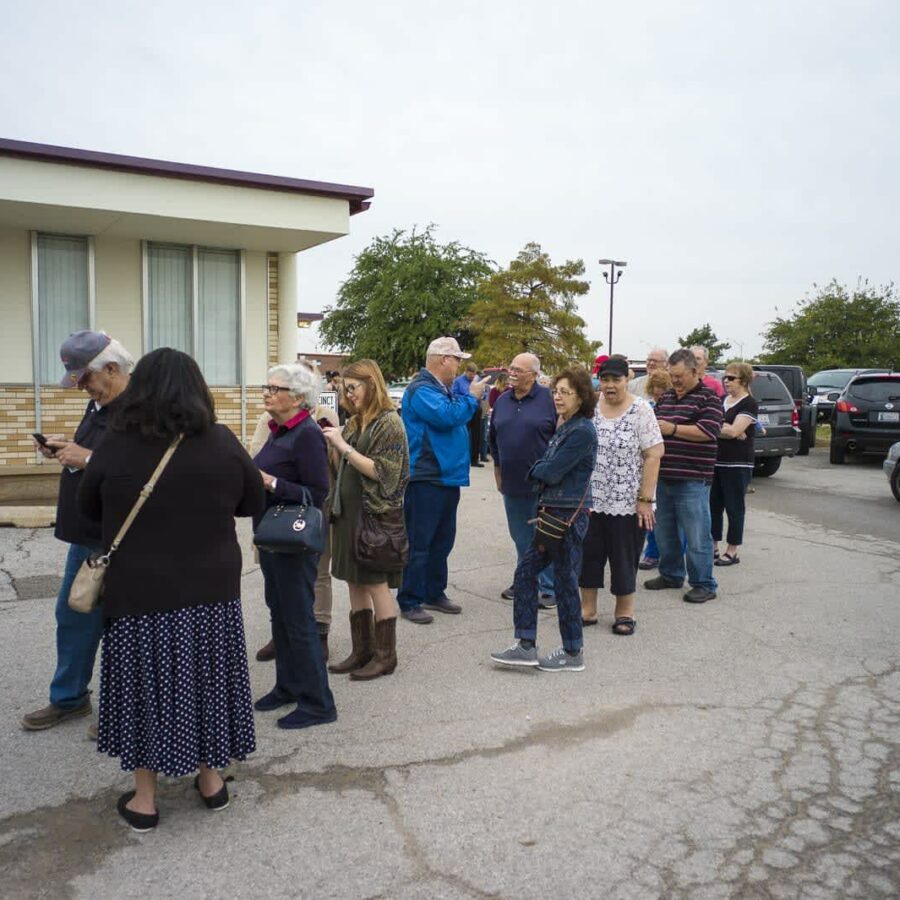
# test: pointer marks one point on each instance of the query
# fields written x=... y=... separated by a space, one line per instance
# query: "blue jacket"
x=460 y=386
x=437 y=430
x=564 y=472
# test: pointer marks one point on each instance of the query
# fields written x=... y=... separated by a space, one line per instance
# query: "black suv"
x=826 y=386
x=794 y=380
x=866 y=416
x=779 y=417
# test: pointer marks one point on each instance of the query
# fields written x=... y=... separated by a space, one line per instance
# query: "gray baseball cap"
x=446 y=346
x=76 y=353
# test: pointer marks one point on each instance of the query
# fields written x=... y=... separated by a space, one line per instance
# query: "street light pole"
x=612 y=279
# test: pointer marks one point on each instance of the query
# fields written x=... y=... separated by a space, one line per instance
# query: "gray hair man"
x=100 y=366
x=522 y=423
x=701 y=356
x=657 y=358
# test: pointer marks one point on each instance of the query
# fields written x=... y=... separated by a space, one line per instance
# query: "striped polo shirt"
x=690 y=460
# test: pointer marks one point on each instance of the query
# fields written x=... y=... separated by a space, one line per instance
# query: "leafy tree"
x=405 y=289
x=838 y=329
x=531 y=306
x=704 y=336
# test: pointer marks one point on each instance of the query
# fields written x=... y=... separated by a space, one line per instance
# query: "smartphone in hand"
x=39 y=438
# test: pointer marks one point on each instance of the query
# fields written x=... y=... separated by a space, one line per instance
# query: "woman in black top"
x=174 y=687
x=294 y=458
x=734 y=461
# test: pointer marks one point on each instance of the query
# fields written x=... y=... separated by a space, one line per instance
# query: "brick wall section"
x=272 y=261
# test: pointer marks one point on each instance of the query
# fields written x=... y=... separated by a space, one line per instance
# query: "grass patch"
x=823 y=434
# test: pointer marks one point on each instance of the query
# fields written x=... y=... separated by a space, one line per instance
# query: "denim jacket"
x=564 y=472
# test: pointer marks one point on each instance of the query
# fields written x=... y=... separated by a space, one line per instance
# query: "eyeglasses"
x=351 y=388
x=273 y=388
x=515 y=370
x=730 y=378
x=562 y=392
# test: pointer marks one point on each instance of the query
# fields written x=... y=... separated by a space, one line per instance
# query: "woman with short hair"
x=294 y=464
x=562 y=477
x=734 y=461
x=174 y=687
x=371 y=478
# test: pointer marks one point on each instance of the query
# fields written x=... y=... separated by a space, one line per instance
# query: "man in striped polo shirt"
x=690 y=419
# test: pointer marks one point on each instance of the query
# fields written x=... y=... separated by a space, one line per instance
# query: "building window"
x=193 y=303
x=62 y=272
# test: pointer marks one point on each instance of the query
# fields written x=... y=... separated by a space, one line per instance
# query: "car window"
x=876 y=391
x=830 y=379
x=769 y=390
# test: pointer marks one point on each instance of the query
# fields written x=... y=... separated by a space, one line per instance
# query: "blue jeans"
x=651 y=551
x=77 y=638
x=430 y=511
x=683 y=506
x=566 y=566
x=299 y=661
x=518 y=512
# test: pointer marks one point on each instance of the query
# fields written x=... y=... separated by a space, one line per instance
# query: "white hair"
x=662 y=350
x=113 y=354
x=303 y=384
x=535 y=361
x=703 y=350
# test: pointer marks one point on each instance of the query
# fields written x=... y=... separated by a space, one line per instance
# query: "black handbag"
x=550 y=531
x=380 y=542
x=292 y=527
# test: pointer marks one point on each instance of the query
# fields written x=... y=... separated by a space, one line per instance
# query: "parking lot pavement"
x=744 y=748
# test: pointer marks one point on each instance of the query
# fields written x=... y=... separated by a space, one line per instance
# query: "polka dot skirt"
x=175 y=690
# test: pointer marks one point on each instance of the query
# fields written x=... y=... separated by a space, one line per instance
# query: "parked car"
x=866 y=416
x=779 y=417
x=396 y=390
x=826 y=386
x=892 y=469
x=794 y=380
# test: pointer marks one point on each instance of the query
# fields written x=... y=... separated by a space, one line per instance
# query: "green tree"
x=835 y=328
x=405 y=289
x=704 y=336
x=531 y=306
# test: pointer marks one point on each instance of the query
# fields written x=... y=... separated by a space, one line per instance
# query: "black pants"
x=475 y=435
x=618 y=539
x=729 y=488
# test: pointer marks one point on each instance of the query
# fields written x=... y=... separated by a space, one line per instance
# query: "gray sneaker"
x=560 y=661
x=517 y=655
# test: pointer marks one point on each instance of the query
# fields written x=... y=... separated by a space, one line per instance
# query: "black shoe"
x=218 y=801
x=546 y=601
x=417 y=615
x=699 y=595
x=508 y=594
x=139 y=822
x=661 y=583
x=477 y=465
x=300 y=719
x=271 y=701
x=442 y=604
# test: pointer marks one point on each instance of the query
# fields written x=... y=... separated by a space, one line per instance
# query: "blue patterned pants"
x=566 y=566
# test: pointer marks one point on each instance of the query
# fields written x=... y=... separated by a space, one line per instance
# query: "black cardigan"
x=182 y=549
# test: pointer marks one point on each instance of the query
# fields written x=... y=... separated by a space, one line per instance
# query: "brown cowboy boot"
x=385 y=659
x=267 y=653
x=362 y=639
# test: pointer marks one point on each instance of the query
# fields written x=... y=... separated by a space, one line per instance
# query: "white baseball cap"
x=446 y=346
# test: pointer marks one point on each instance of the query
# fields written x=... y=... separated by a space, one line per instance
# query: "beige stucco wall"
x=118 y=276
x=256 y=318
x=15 y=306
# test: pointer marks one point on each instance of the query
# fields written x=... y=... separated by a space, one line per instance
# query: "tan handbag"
x=87 y=588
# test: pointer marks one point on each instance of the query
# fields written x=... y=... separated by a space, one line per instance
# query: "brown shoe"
x=323 y=637
x=267 y=653
x=362 y=641
x=51 y=715
x=385 y=659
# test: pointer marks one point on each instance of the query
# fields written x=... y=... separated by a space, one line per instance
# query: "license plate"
x=763 y=419
x=889 y=417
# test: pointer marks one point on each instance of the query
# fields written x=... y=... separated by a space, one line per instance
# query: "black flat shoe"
x=726 y=559
x=139 y=822
x=218 y=800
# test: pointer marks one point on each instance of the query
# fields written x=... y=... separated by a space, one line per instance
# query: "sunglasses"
x=729 y=378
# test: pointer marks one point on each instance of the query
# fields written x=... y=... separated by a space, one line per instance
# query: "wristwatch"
x=273 y=485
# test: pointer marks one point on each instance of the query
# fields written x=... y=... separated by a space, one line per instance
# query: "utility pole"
x=612 y=279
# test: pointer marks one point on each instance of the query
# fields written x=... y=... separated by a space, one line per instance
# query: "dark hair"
x=683 y=355
x=581 y=383
x=166 y=396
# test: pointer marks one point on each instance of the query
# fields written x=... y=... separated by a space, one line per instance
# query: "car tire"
x=837 y=454
x=804 y=444
x=767 y=467
x=895 y=482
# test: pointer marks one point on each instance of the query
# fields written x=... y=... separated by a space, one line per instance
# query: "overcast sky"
x=733 y=153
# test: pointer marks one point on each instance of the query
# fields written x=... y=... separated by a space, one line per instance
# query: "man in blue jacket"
x=436 y=423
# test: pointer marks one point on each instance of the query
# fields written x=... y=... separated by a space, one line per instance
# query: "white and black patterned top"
x=619 y=465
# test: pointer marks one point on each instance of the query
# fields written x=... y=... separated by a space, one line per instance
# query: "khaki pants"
x=322 y=606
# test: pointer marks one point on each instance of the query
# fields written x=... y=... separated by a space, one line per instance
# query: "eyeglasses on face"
x=352 y=388
x=515 y=370
x=562 y=392
x=273 y=388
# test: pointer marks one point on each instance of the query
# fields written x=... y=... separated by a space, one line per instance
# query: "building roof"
x=358 y=197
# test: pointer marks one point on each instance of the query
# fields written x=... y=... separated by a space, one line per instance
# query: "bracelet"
x=674 y=430
x=644 y=499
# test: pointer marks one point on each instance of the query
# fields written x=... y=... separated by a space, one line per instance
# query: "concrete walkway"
x=745 y=748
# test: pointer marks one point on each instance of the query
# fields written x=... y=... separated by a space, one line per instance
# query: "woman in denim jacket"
x=563 y=477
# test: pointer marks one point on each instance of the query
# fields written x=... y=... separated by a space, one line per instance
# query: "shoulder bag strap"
x=146 y=491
